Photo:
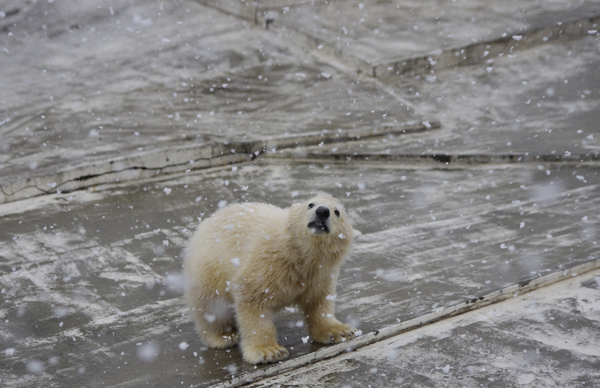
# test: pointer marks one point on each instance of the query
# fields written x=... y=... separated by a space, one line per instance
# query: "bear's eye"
x=311 y=205
x=337 y=213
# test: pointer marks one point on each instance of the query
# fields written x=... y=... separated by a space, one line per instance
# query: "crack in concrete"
x=221 y=154
x=239 y=151
x=445 y=158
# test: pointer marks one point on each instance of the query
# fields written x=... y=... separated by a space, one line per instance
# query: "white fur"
x=249 y=260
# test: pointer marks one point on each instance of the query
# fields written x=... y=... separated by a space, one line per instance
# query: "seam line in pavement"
x=441 y=158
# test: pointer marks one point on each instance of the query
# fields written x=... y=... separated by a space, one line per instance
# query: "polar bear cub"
x=249 y=260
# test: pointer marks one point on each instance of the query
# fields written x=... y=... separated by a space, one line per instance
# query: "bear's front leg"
x=323 y=327
x=258 y=334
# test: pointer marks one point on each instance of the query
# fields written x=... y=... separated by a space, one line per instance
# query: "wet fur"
x=249 y=260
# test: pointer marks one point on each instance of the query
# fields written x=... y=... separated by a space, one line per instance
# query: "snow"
x=148 y=352
x=175 y=281
x=391 y=354
x=35 y=366
x=60 y=312
x=525 y=379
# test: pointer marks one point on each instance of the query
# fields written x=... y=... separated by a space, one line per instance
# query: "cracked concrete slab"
x=188 y=158
x=156 y=78
x=110 y=76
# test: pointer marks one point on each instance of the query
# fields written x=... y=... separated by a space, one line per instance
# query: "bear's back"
x=250 y=217
x=234 y=231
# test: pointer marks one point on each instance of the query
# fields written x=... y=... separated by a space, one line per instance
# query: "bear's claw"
x=335 y=334
x=264 y=354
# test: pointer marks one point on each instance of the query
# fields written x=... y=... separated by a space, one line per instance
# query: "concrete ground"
x=462 y=137
x=547 y=338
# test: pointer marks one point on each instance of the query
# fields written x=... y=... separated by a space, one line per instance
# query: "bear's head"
x=321 y=218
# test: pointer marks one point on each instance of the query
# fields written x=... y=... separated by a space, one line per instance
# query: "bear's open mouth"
x=318 y=227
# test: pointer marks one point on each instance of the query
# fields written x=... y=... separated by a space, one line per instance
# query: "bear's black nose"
x=323 y=212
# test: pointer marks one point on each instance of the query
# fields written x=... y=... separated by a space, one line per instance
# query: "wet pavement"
x=541 y=104
x=408 y=37
x=122 y=85
x=123 y=126
x=91 y=277
x=548 y=338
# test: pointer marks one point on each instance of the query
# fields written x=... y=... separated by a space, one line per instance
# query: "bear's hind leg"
x=215 y=323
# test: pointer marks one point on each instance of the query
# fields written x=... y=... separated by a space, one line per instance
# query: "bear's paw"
x=264 y=354
x=221 y=341
x=338 y=332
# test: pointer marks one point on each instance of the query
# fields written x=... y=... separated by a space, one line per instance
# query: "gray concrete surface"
x=548 y=338
x=541 y=104
x=464 y=182
x=154 y=78
x=400 y=37
x=90 y=277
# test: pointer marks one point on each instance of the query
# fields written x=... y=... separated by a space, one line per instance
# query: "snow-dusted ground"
x=133 y=102
x=548 y=338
